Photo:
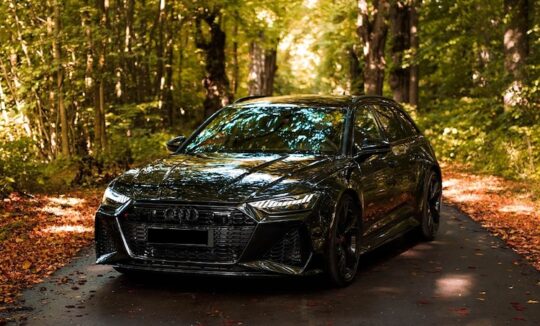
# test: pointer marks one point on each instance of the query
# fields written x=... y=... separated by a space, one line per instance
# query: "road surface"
x=465 y=277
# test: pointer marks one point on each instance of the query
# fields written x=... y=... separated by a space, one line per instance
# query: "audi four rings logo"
x=180 y=214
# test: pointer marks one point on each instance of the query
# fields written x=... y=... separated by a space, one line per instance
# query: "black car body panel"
x=224 y=177
x=210 y=195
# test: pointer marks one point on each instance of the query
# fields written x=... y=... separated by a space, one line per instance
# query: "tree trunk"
x=51 y=114
x=12 y=82
x=130 y=11
x=160 y=81
x=236 y=68
x=215 y=82
x=60 y=81
x=97 y=118
x=103 y=135
x=3 y=106
x=100 y=133
x=130 y=70
x=355 y=73
x=400 y=12
x=372 y=29
x=168 y=98
x=89 y=71
x=184 y=38
x=413 y=75
x=140 y=76
x=262 y=70
x=270 y=61
x=516 y=49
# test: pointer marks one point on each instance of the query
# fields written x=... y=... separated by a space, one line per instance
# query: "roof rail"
x=246 y=98
x=356 y=98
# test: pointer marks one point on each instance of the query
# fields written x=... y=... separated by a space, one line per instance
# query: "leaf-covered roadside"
x=41 y=234
x=508 y=209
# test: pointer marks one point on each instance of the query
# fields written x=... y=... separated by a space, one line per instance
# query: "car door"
x=402 y=143
x=413 y=156
x=373 y=176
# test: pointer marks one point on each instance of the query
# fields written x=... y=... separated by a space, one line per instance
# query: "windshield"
x=272 y=129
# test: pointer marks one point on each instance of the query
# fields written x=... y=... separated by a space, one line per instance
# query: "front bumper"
x=242 y=246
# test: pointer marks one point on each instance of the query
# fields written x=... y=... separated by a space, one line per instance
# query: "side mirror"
x=174 y=144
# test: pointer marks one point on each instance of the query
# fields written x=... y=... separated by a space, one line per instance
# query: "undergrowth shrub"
x=19 y=163
x=479 y=134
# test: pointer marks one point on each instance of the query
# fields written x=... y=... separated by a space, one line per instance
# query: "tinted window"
x=366 y=131
x=390 y=123
x=406 y=124
x=272 y=129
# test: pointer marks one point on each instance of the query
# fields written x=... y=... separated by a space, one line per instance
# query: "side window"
x=366 y=131
x=390 y=123
x=407 y=125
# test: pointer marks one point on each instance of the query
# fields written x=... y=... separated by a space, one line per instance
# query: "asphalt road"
x=466 y=277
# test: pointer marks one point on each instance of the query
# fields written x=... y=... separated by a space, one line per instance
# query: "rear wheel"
x=343 y=250
x=431 y=207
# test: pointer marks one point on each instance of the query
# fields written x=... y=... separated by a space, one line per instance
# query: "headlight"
x=113 y=199
x=285 y=204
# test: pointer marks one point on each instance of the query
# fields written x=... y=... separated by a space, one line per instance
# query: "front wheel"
x=343 y=250
x=431 y=207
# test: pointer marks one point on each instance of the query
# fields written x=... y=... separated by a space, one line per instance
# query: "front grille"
x=231 y=231
x=288 y=250
x=189 y=215
x=103 y=237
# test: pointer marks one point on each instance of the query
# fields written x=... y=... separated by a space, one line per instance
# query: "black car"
x=290 y=185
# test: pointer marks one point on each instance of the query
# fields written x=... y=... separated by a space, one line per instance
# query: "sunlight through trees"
x=94 y=86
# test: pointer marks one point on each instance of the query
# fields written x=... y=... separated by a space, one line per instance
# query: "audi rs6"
x=270 y=186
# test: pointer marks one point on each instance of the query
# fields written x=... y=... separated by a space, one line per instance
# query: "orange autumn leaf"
x=499 y=205
x=41 y=234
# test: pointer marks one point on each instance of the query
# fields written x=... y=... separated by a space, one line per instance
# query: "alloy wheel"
x=346 y=243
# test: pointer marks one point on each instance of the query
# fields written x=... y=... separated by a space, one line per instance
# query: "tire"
x=343 y=251
x=430 y=211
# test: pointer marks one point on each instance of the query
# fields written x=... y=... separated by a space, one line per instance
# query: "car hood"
x=225 y=177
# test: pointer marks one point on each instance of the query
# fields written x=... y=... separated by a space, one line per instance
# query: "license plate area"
x=197 y=238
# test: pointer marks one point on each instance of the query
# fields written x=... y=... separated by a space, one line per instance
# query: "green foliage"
x=314 y=53
x=338 y=34
x=461 y=63
x=474 y=132
x=461 y=48
x=19 y=162
x=463 y=79
x=22 y=168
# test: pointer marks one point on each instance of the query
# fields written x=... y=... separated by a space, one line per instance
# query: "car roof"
x=329 y=101
x=302 y=100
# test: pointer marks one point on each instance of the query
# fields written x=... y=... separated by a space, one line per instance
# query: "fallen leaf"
x=500 y=206
x=461 y=311
x=517 y=306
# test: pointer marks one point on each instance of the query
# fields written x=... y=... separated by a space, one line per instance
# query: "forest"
x=89 y=88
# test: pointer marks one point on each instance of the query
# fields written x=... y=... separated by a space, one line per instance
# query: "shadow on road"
x=464 y=277
x=260 y=285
